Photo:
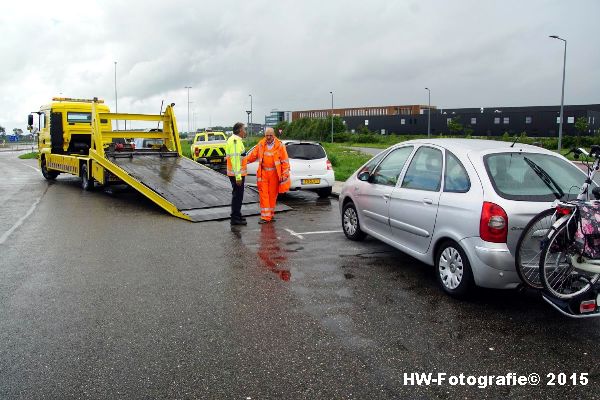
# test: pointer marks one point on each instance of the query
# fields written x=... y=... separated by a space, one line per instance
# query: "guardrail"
x=16 y=146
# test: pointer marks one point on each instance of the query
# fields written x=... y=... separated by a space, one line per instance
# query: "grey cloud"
x=290 y=54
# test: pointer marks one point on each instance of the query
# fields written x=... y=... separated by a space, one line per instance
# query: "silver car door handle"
x=427 y=201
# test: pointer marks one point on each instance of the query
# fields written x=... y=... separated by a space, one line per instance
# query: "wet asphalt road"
x=107 y=296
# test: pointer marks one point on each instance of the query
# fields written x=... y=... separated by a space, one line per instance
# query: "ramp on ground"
x=197 y=191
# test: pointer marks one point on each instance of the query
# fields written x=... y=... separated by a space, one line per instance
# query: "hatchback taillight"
x=493 y=225
x=196 y=151
x=329 y=167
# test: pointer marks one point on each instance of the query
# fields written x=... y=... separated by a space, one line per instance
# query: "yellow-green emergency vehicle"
x=208 y=148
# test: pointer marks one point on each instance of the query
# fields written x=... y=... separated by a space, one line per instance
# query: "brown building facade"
x=415 y=109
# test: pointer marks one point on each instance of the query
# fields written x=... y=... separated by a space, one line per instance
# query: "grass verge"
x=28 y=156
x=344 y=160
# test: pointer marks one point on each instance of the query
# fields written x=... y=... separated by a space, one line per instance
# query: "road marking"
x=319 y=232
x=301 y=234
x=19 y=222
x=291 y=232
x=34 y=168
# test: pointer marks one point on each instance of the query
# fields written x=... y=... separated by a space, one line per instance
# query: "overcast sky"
x=290 y=54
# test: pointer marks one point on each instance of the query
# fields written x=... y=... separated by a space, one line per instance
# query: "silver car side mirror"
x=364 y=176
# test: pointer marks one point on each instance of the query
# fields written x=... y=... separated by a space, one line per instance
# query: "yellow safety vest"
x=236 y=164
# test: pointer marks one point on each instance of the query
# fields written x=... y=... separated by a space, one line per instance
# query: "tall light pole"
x=428 y=112
x=562 y=96
x=248 y=112
x=188 y=114
x=116 y=104
x=331 y=93
x=250 y=116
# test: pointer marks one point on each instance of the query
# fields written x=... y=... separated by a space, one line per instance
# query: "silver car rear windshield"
x=305 y=151
x=514 y=178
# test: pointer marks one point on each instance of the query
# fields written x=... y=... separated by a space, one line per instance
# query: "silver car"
x=458 y=204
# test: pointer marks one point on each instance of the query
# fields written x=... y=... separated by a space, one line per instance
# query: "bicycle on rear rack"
x=559 y=250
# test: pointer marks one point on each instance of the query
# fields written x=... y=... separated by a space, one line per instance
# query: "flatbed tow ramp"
x=182 y=187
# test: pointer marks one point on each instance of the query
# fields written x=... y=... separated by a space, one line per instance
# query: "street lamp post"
x=428 y=112
x=331 y=93
x=188 y=113
x=562 y=96
x=248 y=112
x=250 y=116
x=116 y=104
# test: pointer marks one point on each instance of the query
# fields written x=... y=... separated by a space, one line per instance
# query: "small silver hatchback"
x=458 y=204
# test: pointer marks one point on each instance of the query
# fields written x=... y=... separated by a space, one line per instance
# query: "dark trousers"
x=237 y=197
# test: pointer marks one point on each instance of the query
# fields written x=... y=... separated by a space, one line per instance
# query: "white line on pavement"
x=319 y=232
x=301 y=234
x=34 y=168
x=291 y=232
x=19 y=222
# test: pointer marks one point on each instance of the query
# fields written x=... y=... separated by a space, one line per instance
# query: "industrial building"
x=535 y=121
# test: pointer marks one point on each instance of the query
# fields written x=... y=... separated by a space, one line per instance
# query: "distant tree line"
x=320 y=130
x=310 y=129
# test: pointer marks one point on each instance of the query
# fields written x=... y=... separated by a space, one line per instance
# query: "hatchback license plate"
x=216 y=160
x=311 y=181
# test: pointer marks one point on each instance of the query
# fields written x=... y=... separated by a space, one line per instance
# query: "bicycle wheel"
x=557 y=273
x=530 y=246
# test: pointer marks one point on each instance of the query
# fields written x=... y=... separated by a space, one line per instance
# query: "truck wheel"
x=49 y=175
x=87 y=183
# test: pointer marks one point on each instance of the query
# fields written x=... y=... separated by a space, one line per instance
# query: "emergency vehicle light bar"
x=76 y=100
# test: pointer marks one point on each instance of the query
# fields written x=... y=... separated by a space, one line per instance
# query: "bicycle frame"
x=570 y=210
x=584 y=194
x=563 y=239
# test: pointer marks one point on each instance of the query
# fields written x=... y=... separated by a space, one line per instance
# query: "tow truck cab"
x=65 y=125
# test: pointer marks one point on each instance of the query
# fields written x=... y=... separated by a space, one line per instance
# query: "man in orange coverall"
x=272 y=174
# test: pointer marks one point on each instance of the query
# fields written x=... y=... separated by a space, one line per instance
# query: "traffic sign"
x=13 y=138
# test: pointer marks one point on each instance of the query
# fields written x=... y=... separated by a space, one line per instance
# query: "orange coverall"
x=269 y=189
x=272 y=175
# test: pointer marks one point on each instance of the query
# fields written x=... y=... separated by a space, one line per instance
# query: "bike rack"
x=570 y=307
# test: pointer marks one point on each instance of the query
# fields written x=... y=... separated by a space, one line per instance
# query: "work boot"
x=238 y=222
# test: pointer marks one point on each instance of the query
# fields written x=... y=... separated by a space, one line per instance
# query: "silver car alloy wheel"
x=350 y=221
x=451 y=268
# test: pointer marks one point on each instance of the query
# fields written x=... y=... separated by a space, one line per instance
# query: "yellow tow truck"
x=208 y=148
x=76 y=137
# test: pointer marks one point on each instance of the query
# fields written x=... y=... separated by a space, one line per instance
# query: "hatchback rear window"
x=305 y=151
x=514 y=178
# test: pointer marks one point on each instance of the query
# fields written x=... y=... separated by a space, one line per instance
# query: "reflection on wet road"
x=271 y=254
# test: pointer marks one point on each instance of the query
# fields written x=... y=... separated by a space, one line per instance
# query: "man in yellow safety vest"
x=236 y=170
